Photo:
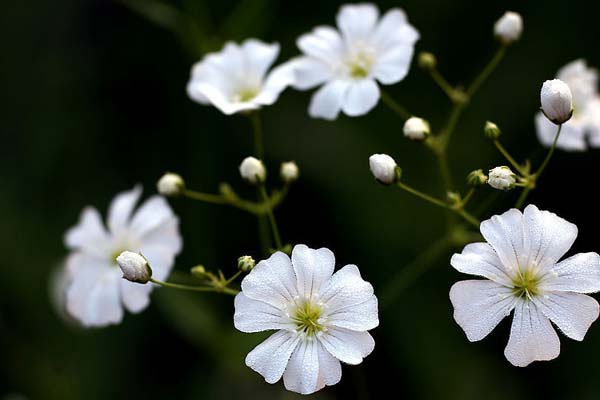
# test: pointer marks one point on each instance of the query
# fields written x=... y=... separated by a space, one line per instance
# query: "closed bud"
x=476 y=178
x=427 y=60
x=246 y=263
x=289 y=171
x=491 y=130
x=557 y=101
x=416 y=128
x=134 y=266
x=502 y=178
x=170 y=184
x=453 y=197
x=384 y=168
x=198 y=271
x=253 y=170
x=509 y=27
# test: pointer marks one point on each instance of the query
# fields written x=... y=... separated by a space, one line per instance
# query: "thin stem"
x=258 y=134
x=468 y=217
x=206 y=197
x=523 y=197
x=271 y=216
x=489 y=68
x=466 y=199
x=179 y=286
x=549 y=155
x=509 y=158
x=233 y=277
x=444 y=85
x=457 y=110
x=394 y=105
x=426 y=197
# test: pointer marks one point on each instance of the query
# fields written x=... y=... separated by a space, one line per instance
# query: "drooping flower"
x=237 y=79
x=583 y=129
x=349 y=61
x=97 y=294
x=523 y=271
x=509 y=27
x=321 y=318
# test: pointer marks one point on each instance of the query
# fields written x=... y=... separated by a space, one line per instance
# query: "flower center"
x=525 y=284
x=245 y=95
x=359 y=64
x=307 y=317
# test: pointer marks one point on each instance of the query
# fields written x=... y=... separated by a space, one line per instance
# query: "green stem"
x=444 y=85
x=468 y=217
x=233 y=277
x=206 y=197
x=457 y=110
x=523 y=197
x=271 y=216
x=422 y=195
x=509 y=158
x=489 y=68
x=258 y=134
x=549 y=155
x=179 y=286
x=394 y=105
x=466 y=199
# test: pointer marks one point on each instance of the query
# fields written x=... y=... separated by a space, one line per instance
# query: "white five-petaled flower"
x=348 y=62
x=237 y=78
x=523 y=271
x=96 y=293
x=321 y=318
x=509 y=27
x=583 y=129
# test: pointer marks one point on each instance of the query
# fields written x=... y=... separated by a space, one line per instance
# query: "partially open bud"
x=134 y=266
x=509 y=27
x=416 y=128
x=246 y=263
x=384 y=168
x=170 y=184
x=288 y=171
x=491 y=130
x=253 y=170
x=502 y=178
x=476 y=178
x=427 y=60
x=557 y=101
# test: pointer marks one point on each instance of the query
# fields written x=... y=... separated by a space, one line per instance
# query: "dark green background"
x=93 y=101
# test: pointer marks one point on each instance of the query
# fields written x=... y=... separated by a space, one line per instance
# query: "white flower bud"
x=134 y=266
x=502 y=178
x=557 y=101
x=170 y=184
x=383 y=168
x=289 y=171
x=416 y=128
x=246 y=263
x=509 y=27
x=253 y=170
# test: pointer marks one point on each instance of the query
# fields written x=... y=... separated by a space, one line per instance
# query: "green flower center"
x=525 y=284
x=360 y=65
x=245 y=95
x=307 y=317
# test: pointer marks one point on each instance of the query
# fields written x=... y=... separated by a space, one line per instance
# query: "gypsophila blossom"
x=289 y=171
x=134 y=266
x=557 y=101
x=523 y=271
x=96 y=294
x=416 y=128
x=583 y=129
x=383 y=168
x=253 y=170
x=237 y=79
x=509 y=27
x=502 y=178
x=349 y=61
x=321 y=318
x=170 y=184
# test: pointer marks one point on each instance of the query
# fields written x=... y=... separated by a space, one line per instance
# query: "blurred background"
x=93 y=101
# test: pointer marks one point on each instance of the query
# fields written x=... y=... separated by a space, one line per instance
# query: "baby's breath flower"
x=502 y=178
x=416 y=128
x=476 y=178
x=246 y=263
x=383 y=168
x=289 y=171
x=170 y=184
x=253 y=170
x=134 y=266
x=491 y=130
x=557 y=101
x=509 y=27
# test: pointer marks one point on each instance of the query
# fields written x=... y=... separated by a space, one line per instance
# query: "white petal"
x=362 y=96
x=357 y=317
x=394 y=30
x=313 y=268
x=573 y=313
x=479 y=305
x=572 y=136
x=357 y=21
x=532 y=337
x=220 y=99
x=330 y=369
x=579 y=273
x=277 y=80
x=327 y=102
x=393 y=65
x=259 y=56
x=257 y=316
x=272 y=281
x=135 y=296
x=505 y=234
x=166 y=236
x=119 y=212
x=271 y=356
x=150 y=215
x=480 y=259
x=302 y=373
x=161 y=260
x=324 y=44
x=346 y=345
x=310 y=72
x=89 y=233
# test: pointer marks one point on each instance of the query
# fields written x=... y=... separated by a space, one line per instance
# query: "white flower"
x=416 y=128
x=557 y=101
x=509 y=27
x=583 y=128
x=349 y=61
x=97 y=294
x=520 y=262
x=383 y=168
x=170 y=184
x=502 y=178
x=135 y=268
x=289 y=171
x=321 y=318
x=236 y=78
x=253 y=170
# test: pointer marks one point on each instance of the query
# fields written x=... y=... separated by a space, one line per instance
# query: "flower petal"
x=166 y=237
x=505 y=234
x=310 y=72
x=119 y=212
x=218 y=98
x=330 y=369
x=257 y=316
x=346 y=345
x=313 y=268
x=479 y=305
x=302 y=372
x=324 y=44
x=480 y=259
x=393 y=65
x=161 y=260
x=394 y=30
x=259 y=56
x=573 y=313
x=151 y=214
x=532 y=337
x=361 y=97
x=357 y=21
x=89 y=233
x=135 y=296
x=271 y=356
x=579 y=273
x=327 y=102
x=572 y=135
x=272 y=281
x=278 y=79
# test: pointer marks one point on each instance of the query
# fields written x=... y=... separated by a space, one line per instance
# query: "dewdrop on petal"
x=253 y=170
x=416 y=128
x=289 y=171
x=509 y=27
x=384 y=168
x=557 y=101
x=134 y=266
x=170 y=184
x=502 y=178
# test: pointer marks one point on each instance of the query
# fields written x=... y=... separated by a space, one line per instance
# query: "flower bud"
x=427 y=60
x=416 y=128
x=509 y=27
x=502 y=178
x=170 y=184
x=453 y=198
x=253 y=170
x=384 y=168
x=557 y=101
x=134 y=266
x=246 y=263
x=288 y=171
x=198 y=271
x=491 y=130
x=476 y=178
